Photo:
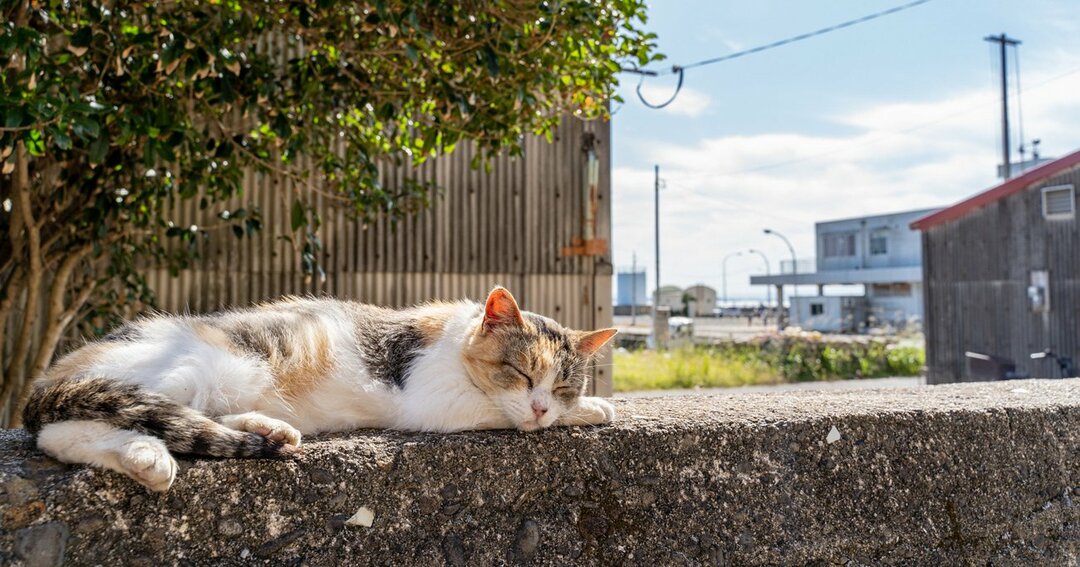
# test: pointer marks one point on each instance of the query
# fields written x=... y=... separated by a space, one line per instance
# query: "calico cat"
x=249 y=383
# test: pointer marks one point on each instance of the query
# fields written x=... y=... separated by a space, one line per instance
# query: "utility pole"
x=1004 y=42
x=633 y=292
x=661 y=331
x=656 y=188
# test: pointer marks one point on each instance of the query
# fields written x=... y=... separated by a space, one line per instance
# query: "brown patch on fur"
x=482 y=356
x=70 y=366
x=73 y=364
x=432 y=320
x=308 y=364
x=216 y=337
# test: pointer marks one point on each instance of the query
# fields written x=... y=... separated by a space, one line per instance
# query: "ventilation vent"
x=1059 y=202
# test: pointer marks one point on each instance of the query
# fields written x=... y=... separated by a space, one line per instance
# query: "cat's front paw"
x=272 y=429
x=149 y=463
x=591 y=411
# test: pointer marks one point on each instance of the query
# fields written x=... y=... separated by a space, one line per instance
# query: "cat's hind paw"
x=149 y=463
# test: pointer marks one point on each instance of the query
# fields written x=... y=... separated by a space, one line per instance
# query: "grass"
x=768 y=362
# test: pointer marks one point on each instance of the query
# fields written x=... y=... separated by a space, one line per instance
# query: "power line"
x=679 y=69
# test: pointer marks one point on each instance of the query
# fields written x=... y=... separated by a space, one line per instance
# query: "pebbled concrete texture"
x=957 y=474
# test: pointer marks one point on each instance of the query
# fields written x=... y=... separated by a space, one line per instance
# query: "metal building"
x=1001 y=274
x=539 y=224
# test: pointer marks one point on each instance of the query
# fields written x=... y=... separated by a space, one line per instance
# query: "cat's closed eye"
x=520 y=373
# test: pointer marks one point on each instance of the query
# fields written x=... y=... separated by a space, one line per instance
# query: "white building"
x=881 y=253
x=671 y=296
x=704 y=300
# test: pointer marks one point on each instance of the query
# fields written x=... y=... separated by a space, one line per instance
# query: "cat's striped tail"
x=127 y=406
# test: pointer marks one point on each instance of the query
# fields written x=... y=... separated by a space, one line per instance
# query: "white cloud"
x=721 y=192
x=689 y=102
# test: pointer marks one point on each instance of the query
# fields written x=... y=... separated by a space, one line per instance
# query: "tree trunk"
x=26 y=239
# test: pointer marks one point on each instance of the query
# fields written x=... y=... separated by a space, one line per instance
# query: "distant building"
x=632 y=288
x=671 y=296
x=879 y=252
x=704 y=300
x=1002 y=277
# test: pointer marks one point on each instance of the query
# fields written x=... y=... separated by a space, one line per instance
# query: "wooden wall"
x=976 y=271
x=506 y=226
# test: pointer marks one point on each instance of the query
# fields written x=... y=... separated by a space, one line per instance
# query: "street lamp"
x=724 y=270
x=768 y=288
x=794 y=264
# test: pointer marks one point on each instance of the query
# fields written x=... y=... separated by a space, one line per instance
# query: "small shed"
x=704 y=300
x=1001 y=274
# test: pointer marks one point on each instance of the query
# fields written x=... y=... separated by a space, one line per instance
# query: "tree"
x=112 y=111
x=687 y=299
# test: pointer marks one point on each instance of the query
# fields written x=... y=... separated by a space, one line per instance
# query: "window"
x=838 y=244
x=1059 y=202
x=898 y=289
x=879 y=242
x=817 y=309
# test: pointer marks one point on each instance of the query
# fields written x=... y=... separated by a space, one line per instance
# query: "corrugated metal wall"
x=977 y=270
x=506 y=226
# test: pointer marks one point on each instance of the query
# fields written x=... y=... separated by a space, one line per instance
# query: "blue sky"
x=898 y=113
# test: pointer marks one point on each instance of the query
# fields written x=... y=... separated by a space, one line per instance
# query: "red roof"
x=999 y=192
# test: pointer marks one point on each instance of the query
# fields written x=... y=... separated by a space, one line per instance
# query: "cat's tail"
x=127 y=406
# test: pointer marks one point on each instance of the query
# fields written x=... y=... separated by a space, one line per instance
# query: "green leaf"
x=63 y=141
x=86 y=128
x=13 y=118
x=299 y=218
x=491 y=60
x=98 y=149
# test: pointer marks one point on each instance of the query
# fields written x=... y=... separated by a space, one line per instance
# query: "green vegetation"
x=763 y=362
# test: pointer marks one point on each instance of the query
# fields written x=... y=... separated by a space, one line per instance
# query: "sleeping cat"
x=248 y=383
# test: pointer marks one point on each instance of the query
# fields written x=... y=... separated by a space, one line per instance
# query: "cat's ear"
x=501 y=310
x=588 y=343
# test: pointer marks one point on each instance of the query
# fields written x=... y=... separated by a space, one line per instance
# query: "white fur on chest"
x=438 y=395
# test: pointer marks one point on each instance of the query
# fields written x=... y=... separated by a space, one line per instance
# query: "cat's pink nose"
x=538 y=409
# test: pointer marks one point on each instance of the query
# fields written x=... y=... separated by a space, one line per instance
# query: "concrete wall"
x=967 y=474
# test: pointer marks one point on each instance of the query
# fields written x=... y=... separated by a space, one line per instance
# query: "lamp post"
x=724 y=271
x=794 y=265
x=768 y=288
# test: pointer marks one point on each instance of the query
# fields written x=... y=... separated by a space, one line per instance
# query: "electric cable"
x=680 y=69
